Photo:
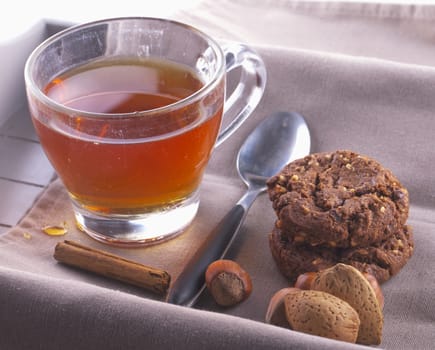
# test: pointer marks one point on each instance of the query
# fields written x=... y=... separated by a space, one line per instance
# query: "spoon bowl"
x=275 y=142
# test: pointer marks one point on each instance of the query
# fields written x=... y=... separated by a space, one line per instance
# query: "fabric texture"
x=370 y=90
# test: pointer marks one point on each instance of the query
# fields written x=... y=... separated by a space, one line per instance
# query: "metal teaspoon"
x=276 y=141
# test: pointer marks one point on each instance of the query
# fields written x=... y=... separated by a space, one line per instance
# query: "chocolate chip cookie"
x=385 y=259
x=382 y=260
x=340 y=200
x=295 y=259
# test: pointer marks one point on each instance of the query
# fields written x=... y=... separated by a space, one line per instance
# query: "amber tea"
x=121 y=165
x=128 y=110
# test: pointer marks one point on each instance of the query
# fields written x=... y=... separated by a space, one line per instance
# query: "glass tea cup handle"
x=249 y=90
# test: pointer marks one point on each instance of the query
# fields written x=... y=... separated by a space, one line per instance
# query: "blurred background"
x=22 y=14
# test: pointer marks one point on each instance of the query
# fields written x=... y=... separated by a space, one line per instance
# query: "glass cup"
x=128 y=111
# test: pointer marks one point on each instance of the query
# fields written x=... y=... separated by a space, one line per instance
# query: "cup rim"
x=72 y=112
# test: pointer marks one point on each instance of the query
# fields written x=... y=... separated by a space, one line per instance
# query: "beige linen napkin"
x=389 y=31
x=380 y=108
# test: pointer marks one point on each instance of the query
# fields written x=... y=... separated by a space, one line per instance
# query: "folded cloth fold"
x=73 y=315
x=375 y=107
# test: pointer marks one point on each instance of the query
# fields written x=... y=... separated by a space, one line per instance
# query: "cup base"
x=137 y=230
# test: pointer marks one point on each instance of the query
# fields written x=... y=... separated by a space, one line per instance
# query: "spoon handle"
x=190 y=282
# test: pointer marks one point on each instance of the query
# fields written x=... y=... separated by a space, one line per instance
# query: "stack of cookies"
x=339 y=207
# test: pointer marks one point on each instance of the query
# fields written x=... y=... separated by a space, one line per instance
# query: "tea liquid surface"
x=107 y=164
x=123 y=86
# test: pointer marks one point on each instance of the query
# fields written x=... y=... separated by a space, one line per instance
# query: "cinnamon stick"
x=112 y=266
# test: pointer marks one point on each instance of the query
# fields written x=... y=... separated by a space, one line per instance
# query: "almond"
x=275 y=313
x=349 y=284
x=322 y=314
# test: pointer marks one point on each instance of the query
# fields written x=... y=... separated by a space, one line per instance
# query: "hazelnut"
x=376 y=287
x=227 y=282
x=349 y=284
x=304 y=281
x=323 y=314
x=275 y=313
